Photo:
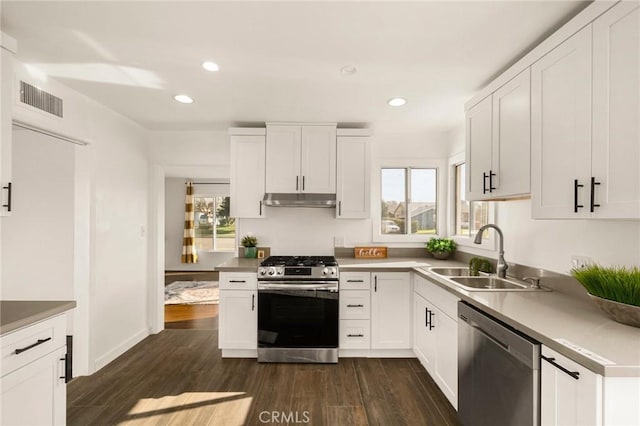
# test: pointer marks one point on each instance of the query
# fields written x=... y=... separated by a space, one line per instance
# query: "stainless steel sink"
x=490 y=284
x=451 y=272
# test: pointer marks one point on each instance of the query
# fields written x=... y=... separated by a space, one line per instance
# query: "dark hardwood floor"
x=177 y=377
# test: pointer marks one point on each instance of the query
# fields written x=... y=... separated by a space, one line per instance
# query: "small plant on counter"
x=441 y=248
x=480 y=264
x=249 y=240
x=619 y=284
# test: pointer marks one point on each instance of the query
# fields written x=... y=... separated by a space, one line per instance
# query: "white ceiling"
x=281 y=61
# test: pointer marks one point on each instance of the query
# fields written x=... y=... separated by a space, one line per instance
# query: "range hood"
x=299 y=200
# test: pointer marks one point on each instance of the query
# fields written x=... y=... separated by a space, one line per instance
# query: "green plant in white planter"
x=441 y=248
x=249 y=242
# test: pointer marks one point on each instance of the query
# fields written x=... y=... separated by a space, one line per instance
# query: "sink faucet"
x=502 y=265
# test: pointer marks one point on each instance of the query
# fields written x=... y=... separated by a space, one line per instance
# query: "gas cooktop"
x=300 y=261
x=299 y=268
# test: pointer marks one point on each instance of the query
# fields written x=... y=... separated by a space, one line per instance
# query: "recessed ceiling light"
x=183 y=99
x=348 y=70
x=210 y=66
x=397 y=101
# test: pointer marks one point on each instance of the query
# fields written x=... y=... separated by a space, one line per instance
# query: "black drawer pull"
x=355 y=335
x=355 y=306
x=237 y=281
x=574 y=374
x=355 y=281
x=26 y=348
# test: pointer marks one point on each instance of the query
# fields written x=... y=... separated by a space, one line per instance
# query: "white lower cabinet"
x=391 y=310
x=436 y=335
x=32 y=383
x=570 y=394
x=355 y=311
x=355 y=334
x=238 y=320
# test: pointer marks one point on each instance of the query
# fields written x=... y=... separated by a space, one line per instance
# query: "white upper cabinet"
x=6 y=98
x=585 y=121
x=498 y=142
x=247 y=185
x=301 y=158
x=353 y=185
x=616 y=112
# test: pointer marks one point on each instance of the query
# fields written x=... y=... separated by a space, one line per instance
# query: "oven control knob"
x=263 y=271
x=325 y=271
x=272 y=271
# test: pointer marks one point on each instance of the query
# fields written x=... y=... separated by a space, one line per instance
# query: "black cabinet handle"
x=355 y=281
x=576 y=206
x=375 y=283
x=8 y=205
x=491 y=175
x=253 y=302
x=484 y=182
x=297 y=180
x=26 y=348
x=355 y=335
x=593 y=194
x=355 y=306
x=339 y=208
x=550 y=360
x=260 y=207
x=431 y=314
x=303 y=183
x=426 y=317
x=237 y=281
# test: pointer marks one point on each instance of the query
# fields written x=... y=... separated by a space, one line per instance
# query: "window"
x=470 y=216
x=215 y=229
x=408 y=201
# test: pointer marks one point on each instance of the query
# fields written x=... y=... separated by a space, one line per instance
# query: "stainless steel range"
x=298 y=309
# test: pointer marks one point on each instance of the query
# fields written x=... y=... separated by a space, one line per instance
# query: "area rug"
x=192 y=293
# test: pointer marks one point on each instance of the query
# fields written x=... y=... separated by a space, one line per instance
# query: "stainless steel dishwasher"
x=498 y=372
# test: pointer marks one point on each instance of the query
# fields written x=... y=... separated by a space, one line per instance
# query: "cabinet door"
x=424 y=340
x=318 y=163
x=391 y=311
x=479 y=128
x=247 y=176
x=446 y=348
x=35 y=394
x=353 y=187
x=238 y=325
x=616 y=112
x=561 y=129
x=565 y=400
x=283 y=159
x=6 y=99
x=512 y=137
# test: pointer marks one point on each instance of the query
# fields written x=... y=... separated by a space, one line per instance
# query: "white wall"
x=110 y=228
x=311 y=231
x=40 y=229
x=174 y=227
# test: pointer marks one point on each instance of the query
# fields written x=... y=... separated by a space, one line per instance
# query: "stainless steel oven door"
x=297 y=316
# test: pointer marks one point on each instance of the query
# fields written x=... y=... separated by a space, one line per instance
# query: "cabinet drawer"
x=32 y=343
x=238 y=281
x=355 y=334
x=355 y=304
x=440 y=297
x=355 y=280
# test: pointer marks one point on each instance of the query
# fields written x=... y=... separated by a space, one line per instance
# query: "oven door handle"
x=285 y=285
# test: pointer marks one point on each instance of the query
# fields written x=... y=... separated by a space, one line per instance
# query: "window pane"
x=462 y=206
x=203 y=222
x=225 y=226
x=393 y=209
x=423 y=201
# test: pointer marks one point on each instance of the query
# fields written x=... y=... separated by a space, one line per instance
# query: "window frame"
x=488 y=242
x=441 y=189
x=214 y=195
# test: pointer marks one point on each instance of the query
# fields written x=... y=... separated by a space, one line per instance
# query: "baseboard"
x=120 y=349
x=239 y=353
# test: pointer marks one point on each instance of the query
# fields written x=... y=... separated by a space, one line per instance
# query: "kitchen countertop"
x=15 y=314
x=570 y=325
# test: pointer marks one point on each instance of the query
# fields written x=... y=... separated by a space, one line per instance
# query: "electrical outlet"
x=580 y=261
x=338 y=241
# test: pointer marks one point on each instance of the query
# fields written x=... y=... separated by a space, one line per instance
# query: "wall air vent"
x=40 y=99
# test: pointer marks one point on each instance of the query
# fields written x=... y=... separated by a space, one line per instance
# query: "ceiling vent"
x=40 y=99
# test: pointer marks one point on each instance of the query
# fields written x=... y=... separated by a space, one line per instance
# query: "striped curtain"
x=189 y=254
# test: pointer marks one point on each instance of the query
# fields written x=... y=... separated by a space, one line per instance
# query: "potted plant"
x=616 y=290
x=441 y=248
x=249 y=242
